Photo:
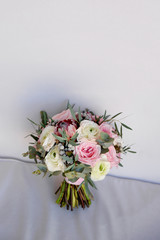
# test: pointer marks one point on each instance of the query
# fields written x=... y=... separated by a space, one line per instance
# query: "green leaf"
x=116 y=115
x=70 y=175
x=32 y=152
x=61 y=139
x=56 y=173
x=44 y=117
x=34 y=137
x=73 y=179
x=76 y=158
x=116 y=128
x=87 y=189
x=91 y=182
x=73 y=143
x=121 y=131
x=80 y=186
x=74 y=136
x=25 y=154
x=132 y=151
x=42 y=167
x=120 y=164
x=105 y=137
x=68 y=159
x=63 y=133
x=124 y=125
x=106 y=145
x=80 y=175
x=32 y=122
x=67 y=107
x=104 y=150
x=79 y=115
x=70 y=167
x=72 y=112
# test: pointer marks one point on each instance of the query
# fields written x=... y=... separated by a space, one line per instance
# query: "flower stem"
x=71 y=198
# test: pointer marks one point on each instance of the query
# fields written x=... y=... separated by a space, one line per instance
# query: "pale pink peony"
x=113 y=157
x=88 y=152
x=65 y=115
x=78 y=182
x=107 y=128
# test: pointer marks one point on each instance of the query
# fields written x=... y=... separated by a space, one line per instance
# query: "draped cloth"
x=122 y=208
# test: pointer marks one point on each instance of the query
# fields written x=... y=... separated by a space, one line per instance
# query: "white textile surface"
x=122 y=208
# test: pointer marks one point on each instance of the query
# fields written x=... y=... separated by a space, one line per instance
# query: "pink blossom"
x=88 y=152
x=113 y=157
x=107 y=128
x=78 y=182
x=63 y=115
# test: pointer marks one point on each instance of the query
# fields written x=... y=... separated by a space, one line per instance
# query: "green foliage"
x=124 y=125
x=72 y=112
x=68 y=159
x=44 y=117
x=42 y=167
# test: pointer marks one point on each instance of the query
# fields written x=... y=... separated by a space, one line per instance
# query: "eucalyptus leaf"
x=68 y=159
x=69 y=167
x=42 y=167
x=76 y=158
x=56 y=173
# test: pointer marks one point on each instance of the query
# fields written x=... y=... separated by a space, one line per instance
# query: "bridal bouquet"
x=81 y=146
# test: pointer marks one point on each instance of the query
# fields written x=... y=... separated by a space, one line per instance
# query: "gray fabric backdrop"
x=122 y=209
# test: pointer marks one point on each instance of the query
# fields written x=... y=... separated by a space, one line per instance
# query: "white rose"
x=118 y=141
x=53 y=160
x=88 y=130
x=101 y=169
x=46 y=139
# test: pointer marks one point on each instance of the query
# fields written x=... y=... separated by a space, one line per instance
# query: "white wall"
x=98 y=53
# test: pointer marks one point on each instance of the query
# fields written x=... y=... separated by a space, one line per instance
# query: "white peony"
x=53 y=160
x=46 y=139
x=101 y=169
x=88 y=130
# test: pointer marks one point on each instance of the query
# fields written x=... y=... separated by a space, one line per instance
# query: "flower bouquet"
x=81 y=146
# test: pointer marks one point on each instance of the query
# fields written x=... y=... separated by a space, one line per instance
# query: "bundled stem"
x=71 y=197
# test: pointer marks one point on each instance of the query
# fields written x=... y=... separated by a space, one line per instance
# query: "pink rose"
x=78 y=182
x=63 y=115
x=88 y=152
x=113 y=157
x=107 y=128
x=69 y=126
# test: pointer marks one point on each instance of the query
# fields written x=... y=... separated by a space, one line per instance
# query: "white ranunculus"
x=46 y=139
x=118 y=141
x=101 y=169
x=54 y=161
x=88 y=130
